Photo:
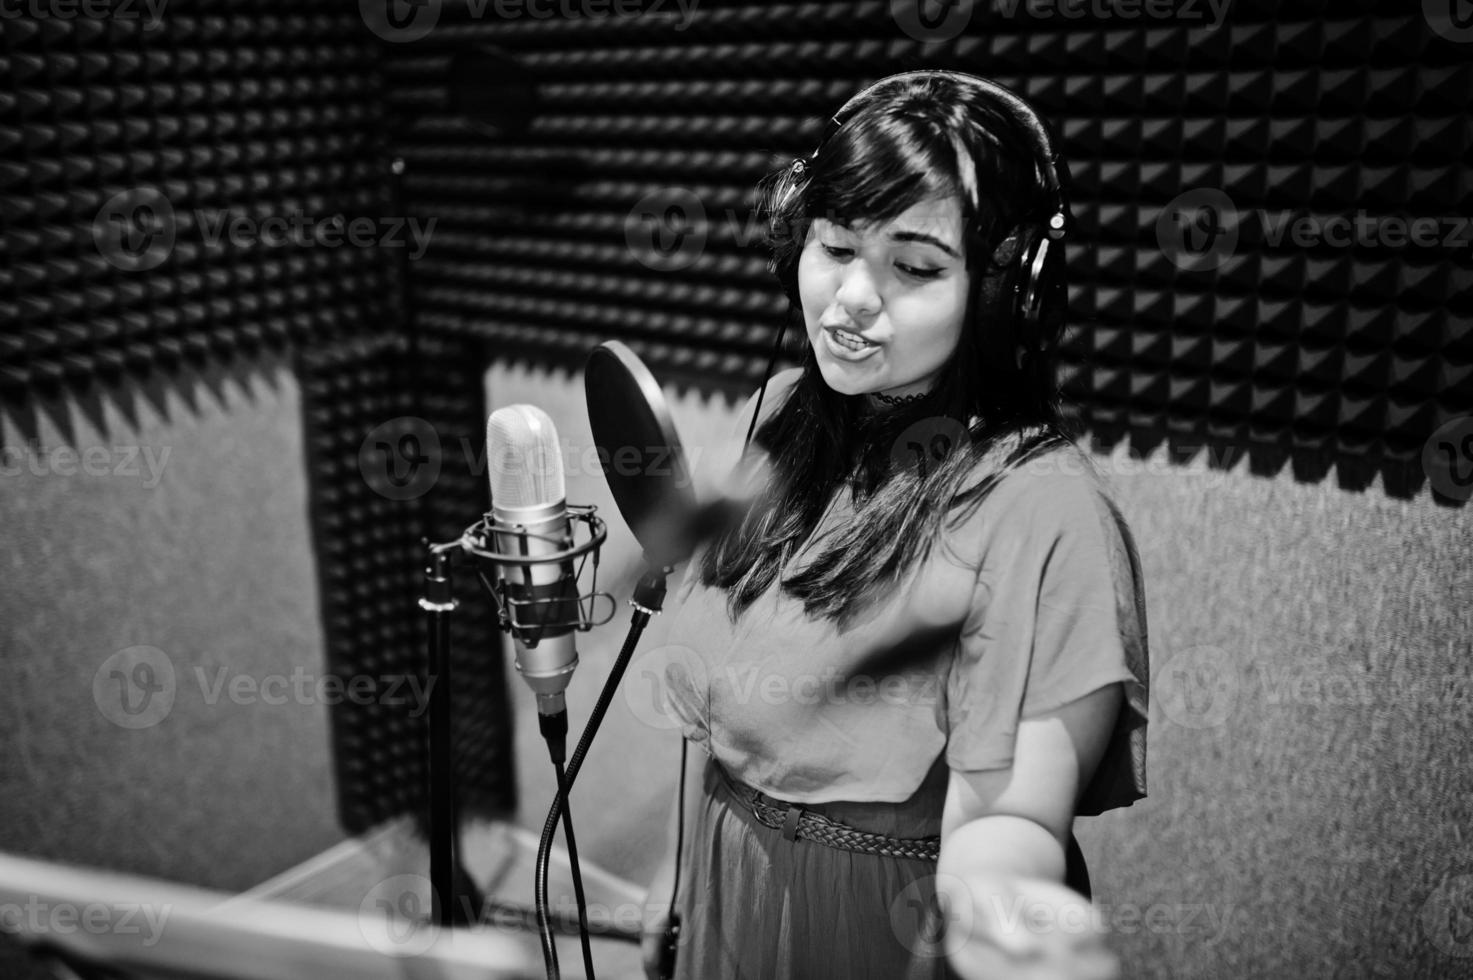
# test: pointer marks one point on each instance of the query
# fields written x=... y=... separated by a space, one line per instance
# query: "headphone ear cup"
x=1048 y=294
x=999 y=294
x=1041 y=294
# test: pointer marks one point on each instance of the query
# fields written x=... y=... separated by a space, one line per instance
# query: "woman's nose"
x=857 y=292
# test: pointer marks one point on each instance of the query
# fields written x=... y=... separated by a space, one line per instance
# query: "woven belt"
x=799 y=824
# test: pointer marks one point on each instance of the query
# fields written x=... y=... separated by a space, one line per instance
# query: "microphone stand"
x=438 y=602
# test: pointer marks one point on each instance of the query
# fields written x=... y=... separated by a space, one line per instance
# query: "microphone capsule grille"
x=524 y=458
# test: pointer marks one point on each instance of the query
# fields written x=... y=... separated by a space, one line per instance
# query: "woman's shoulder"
x=1060 y=488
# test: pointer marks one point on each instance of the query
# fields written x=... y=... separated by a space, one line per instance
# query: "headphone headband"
x=1038 y=134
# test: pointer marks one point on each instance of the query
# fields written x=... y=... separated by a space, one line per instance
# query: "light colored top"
x=1030 y=604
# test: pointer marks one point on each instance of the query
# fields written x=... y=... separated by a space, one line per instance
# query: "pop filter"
x=640 y=452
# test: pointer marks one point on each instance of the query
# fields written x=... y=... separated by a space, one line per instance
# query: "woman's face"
x=901 y=286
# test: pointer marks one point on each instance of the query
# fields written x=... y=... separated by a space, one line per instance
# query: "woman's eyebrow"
x=920 y=236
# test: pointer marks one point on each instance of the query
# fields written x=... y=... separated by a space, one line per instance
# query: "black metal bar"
x=438 y=603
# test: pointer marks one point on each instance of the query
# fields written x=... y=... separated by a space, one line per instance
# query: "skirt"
x=755 y=905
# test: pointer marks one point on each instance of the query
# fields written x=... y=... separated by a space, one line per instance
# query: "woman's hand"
x=1000 y=926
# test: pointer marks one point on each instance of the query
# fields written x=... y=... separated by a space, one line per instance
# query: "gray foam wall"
x=204 y=556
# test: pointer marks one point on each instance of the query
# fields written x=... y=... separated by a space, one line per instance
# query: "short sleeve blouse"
x=1035 y=601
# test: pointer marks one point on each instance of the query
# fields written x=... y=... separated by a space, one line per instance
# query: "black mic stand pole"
x=438 y=603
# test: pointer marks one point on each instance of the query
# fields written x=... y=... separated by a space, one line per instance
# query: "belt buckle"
x=790 y=821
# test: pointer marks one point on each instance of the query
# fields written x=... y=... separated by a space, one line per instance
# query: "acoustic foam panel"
x=625 y=209
x=123 y=145
x=373 y=499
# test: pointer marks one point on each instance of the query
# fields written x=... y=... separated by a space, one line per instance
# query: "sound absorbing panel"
x=127 y=148
x=384 y=471
x=625 y=210
x=177 y=193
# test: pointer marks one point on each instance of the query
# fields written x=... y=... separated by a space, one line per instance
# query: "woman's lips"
x=846 y=353
x=853 y=336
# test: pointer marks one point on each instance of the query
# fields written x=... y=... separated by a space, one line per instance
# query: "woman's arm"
x=1003 y=839
x=1018 y=819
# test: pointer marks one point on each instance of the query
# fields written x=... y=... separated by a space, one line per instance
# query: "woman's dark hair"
x=915 y=140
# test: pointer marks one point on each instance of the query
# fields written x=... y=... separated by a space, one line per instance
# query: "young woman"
x=920 y=651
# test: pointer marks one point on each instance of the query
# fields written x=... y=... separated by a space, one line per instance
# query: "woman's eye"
x=839 y=252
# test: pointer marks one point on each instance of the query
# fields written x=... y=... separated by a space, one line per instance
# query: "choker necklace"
x=900 y=399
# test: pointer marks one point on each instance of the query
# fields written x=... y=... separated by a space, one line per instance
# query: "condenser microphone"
x=530 y=509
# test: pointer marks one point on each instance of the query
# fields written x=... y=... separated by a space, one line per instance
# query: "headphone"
x=1029 y=286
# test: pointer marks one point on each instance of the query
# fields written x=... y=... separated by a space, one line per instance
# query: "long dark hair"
x=916 y=140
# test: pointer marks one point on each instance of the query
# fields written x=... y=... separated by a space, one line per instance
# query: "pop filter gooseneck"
x=645 y=466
